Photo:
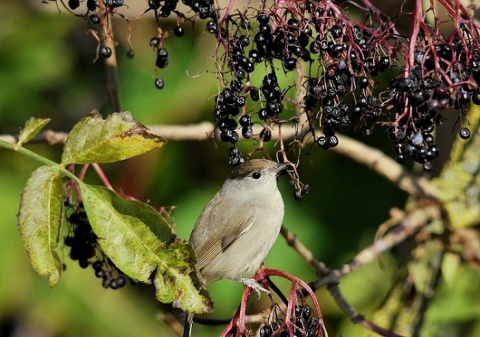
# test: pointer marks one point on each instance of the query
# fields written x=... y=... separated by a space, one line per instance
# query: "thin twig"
x=171 y=321
x=332 y=285
x=364 y=154
x=409 y=226
x=320 y=268
x=113 y=84
x=351 y=148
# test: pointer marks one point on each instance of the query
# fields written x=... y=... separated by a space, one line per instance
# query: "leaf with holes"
x=98 y=140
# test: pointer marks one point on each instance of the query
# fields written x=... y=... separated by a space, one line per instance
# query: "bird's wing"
x=215 y=245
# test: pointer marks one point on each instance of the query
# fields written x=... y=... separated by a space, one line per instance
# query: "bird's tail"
x=187 y=330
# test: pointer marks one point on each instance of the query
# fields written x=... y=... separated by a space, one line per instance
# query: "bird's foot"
x=255 y=286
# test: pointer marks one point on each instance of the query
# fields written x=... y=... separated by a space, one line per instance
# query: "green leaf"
x=39 y=221
x=119 y=137
x=32 y=127
x=138 y=242
x=145 y=213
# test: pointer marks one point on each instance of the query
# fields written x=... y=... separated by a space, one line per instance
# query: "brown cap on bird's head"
x=250 y=166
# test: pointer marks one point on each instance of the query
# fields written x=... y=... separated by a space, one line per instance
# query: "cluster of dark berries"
x=92 y=8
x=249 y=39
x=112 y=4
x=111 y=276
x=228 y=104
x=345 y=60
x=203 y=9
x=343 y=57
x=441 y=76
x=81 y=239
x=352 y=56
x=85 y=249
x=343 y=67
x=235 y=157
x=303 y=325
x=164 y=8
x=300 y=191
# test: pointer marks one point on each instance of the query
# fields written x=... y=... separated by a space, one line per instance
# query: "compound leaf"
x=98 y=140
x=39 y=221
x=143 y=246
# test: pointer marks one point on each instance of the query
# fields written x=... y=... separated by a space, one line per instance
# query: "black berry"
x=159 y=83
x=179 y=31
x=464 y=133
x=106 y=52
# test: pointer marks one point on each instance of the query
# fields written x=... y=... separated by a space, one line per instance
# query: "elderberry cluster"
x=84 y=248
x=244 y=53
x=345 y=89
x=343 y=57
x=81 y=240
x=203 y=9
x=303 y=325
x=342 y=70
x=345 y=61
x=445 y=75
x=111 y=276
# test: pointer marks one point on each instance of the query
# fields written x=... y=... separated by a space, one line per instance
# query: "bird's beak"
x=281 y=168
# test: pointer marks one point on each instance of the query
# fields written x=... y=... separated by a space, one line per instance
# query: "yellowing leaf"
x=175 y=281
x=32 y=127
x=459 y=181
x=451 y=264
x=39 y=221
x=142 y=245
x=119 y=137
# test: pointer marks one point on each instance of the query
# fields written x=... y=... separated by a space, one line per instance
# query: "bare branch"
x=320 y=268
x=351 y=148
x=409 y=225
x=385 y=166
x=108 y=38
x=200 y=131
x=324 y=272
x=412 y=222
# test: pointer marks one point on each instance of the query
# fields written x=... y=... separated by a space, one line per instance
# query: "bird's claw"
x=255 y=286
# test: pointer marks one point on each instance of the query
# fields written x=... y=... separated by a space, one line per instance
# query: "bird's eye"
x=256 y=175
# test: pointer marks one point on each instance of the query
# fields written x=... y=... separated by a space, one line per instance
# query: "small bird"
x=238 y=227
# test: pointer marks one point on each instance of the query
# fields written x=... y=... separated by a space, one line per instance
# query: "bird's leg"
x=254 y=285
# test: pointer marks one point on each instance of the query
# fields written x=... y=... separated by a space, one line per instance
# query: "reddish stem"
x=102 y=176
x=414 y=31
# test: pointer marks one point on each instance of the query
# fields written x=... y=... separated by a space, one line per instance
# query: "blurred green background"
x=47 y=70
